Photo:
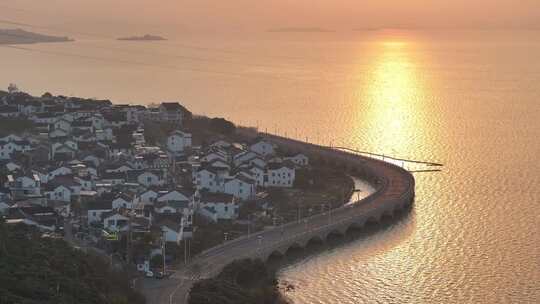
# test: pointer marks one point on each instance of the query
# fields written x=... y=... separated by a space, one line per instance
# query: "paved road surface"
x=393 y=184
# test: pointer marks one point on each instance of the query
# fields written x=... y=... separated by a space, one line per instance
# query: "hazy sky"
x=256 y=15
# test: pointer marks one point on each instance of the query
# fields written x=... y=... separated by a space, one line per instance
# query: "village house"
x=58 y=193
x=244 y=156
x=122 y=200
x=178 y=142
x=44 y=218
x=172 y=112
x=151 y=178
x=147 y=197
x=114 y=221
x=58 y=133
x=174 y=230
x=263 y=147
x=280 y=175
x=96 y=209
x=22 y=185
x=86 y=182
x=207 y=178
x=217 y=206
x=300 y=160
x=240 y=187
x=9 y=112
x=63 y=151
x=114 y=178
x=215 y=155
x=59 y=171
x=62 y=124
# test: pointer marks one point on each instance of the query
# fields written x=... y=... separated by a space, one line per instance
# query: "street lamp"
x=249 y=225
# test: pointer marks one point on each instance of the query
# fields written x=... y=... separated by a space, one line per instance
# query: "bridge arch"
x=387 y=214
x=372 y=220
x=274 y=255
x=292 y=247
x=333 y=233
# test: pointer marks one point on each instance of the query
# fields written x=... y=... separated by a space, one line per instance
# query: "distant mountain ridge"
x=146 y=37
x=20 y=36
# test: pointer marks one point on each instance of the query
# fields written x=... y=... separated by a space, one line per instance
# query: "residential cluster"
x=88 y=161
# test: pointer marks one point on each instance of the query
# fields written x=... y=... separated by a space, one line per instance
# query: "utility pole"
x=129 y=236
x=329 y=213
x=185 y=252
x=163 y=251
x=249 y=225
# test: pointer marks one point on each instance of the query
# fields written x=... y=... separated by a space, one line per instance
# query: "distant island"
x=300 y=30
x=20 y=36
x=146 y=37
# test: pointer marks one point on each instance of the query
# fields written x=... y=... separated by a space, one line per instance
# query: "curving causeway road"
x=394 y=191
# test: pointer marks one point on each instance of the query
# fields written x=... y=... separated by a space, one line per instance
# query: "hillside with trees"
x=37 y=269
x=244 y=281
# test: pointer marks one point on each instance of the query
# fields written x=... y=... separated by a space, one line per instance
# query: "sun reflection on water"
x=390 y=113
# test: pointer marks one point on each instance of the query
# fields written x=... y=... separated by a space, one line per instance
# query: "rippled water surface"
x=470 y=100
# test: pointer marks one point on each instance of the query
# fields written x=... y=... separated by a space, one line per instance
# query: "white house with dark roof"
x=178 y=142
x=219 y=165
x=104 y=134
x=222 y=144
x=173 y=196
x=113 y=178
x=12 y=166
x=150 y=178
x=280 y=175
x=115 y=221
x=58 y=133
x=96 y=209
x=122 y=168
x=11 y=146
x=62 y=124
x=244 y=157
x=256 y=161
x=58 y=193
x=122 y=200
x=63 y=150
x=23 y=185
x=185 y=208
x=218 y=206
x=147 y=197
x=207 y=178
x=86 y=182
x=263 y=147
x=96 y=161
x=300 y=160
x=67 y=181
x=172 y=112
x=215 y=155
x=10 y=138
x=240 y=187
x=258 y=174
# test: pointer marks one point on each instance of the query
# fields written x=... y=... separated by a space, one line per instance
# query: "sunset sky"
x=249 y=15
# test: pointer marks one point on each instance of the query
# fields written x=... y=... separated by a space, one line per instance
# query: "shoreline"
x=394 y=191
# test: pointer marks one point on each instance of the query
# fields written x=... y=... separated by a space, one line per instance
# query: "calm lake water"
x=470 y=100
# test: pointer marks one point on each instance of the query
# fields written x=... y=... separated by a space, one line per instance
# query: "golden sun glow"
x=393 y=98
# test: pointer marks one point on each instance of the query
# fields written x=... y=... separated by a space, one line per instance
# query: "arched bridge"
x=394 y=192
